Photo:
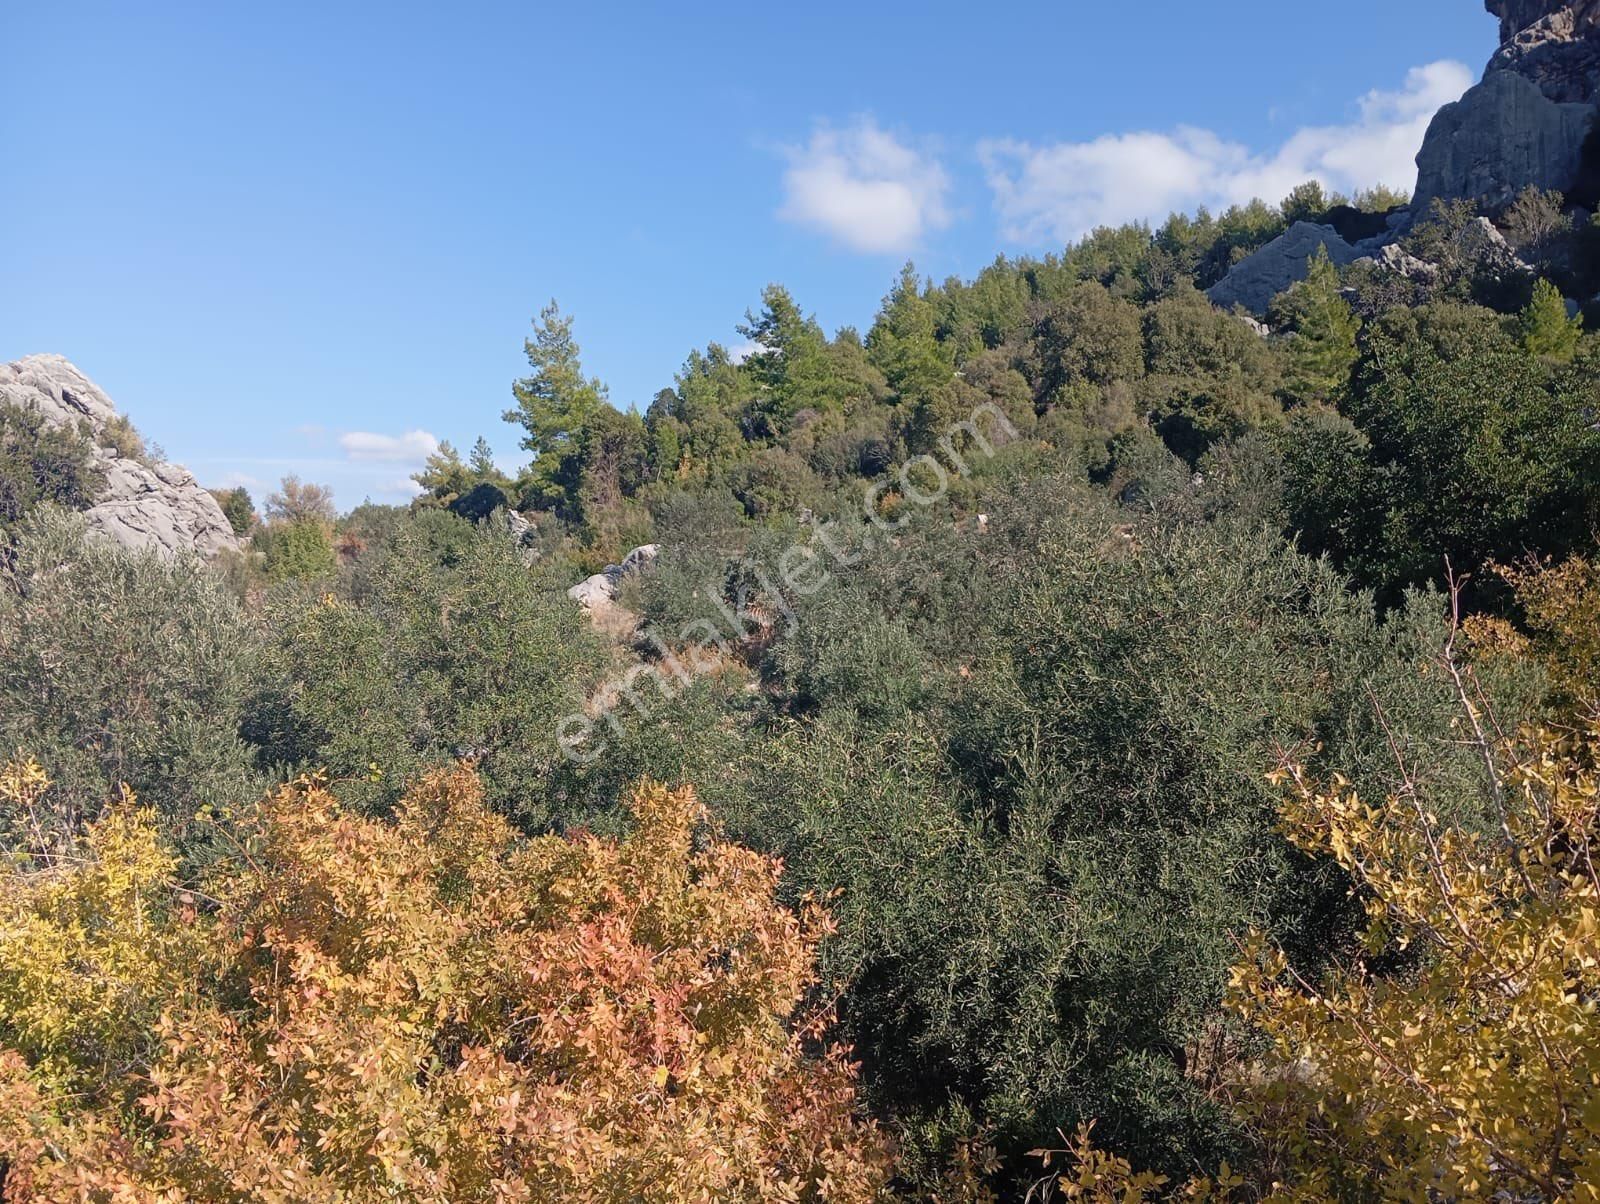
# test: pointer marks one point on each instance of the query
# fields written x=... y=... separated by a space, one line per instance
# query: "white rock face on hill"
x=142 y=506
x=599 y=591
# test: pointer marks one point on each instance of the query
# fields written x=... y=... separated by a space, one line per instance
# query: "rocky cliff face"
x=157 y=505
x=1526 y=123
x=1554 y=45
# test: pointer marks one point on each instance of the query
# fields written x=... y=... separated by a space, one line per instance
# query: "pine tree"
x=904 y=344
x=481 y=461
x=1323 y=347
x=1547 y=331
x=443 y=476
x=557 y=400
x=790 y=364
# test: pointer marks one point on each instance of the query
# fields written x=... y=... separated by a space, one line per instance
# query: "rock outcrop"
x=143 y=505
x=1257 y=279
x=1502 y=136
x=1527 y=122
x=1395 y=258
x=600 y=591
x=1555 y=45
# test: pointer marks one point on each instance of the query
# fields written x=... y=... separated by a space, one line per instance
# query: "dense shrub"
x=1463 y=445
x=237 y=508
x=1009 y=701
x=43 y=463
x=479 y=659
x=298 y=549
x=1047 y=817
x=120 y=668
x=1476 y=1073
x=429 y=1009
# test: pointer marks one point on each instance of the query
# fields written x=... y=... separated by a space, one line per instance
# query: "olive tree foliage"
x=1037 y=778
x=117 y=669
x=479 y=659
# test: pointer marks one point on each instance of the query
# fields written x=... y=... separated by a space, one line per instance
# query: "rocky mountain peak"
x=1517 y=15
x=1554 y=45
x=1527 y=122
x=146 y=503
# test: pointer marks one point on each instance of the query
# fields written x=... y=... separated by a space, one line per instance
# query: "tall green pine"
x=1547 y=331
x=1322 y=350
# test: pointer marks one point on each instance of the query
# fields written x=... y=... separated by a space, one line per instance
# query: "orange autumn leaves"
x=427 y=1009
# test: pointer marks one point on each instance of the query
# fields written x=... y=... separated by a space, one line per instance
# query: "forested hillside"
x=1070 y=738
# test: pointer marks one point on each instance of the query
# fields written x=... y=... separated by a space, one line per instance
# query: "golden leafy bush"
x=1470 y=1067
x=1560 y=606
x=428 y=1009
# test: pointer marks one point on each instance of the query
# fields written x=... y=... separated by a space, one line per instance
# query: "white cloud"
x=743 y=350
x=411 y=447
x=399 y=487
x=1060 y=192
x=865 y=188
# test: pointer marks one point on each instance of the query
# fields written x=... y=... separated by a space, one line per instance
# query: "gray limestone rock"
x=143 y=505
x=1527 y=122
x=1502 y=136
x=1554 y=43
x=1257 y=279
x=1396 y=259
x=600 y=590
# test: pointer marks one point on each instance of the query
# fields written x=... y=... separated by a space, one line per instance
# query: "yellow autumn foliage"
x=1560 y=607
x=428 y=1009
x=1469 y=1068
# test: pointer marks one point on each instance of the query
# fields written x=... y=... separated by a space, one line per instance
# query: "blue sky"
x=310 y=237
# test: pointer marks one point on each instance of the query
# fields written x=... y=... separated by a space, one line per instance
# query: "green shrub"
x=237 y=508
x=122 y=437
x=122 y=668
x=1046 y=809
x=299 y=549
x=42 y=463
x=1461 y=444
x=480 y=659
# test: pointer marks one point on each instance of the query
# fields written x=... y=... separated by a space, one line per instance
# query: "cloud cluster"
x=872 y=192
x=413 y=447
x=367 y=464
x=865 y=188
x=1057 y=193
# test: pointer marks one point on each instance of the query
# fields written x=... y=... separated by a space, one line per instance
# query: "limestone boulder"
x=600 y=591
x=1255 y=280
x=145 y=503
